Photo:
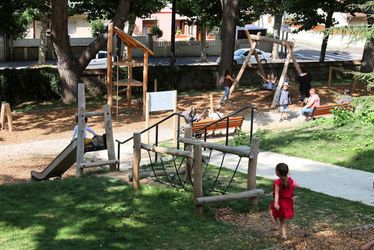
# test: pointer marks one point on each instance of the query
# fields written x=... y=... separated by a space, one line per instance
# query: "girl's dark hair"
x=282 y=171
x=227 y=72
x=76 y=119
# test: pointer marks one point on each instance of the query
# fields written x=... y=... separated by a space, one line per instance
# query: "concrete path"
x=320 y=177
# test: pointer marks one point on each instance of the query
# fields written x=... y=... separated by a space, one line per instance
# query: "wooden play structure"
x=193 y=167
x=80 y=161
x=130 y=44
x=6 y=112
x=253 y=41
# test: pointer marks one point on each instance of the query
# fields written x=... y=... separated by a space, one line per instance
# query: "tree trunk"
x=229 y=17
x=203 y=57
x=326 y=35
x=277 y=27
x=131 y=27
x=172 y=40
x=70 y=67
x=43 y=39
x=367 y=65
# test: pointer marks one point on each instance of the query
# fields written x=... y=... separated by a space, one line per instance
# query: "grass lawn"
x=351 y=146
x=97 y=212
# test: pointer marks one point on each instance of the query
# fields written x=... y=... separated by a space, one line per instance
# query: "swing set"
x=253 y=42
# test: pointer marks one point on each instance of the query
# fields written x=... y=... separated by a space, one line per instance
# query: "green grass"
x=93 y=213
x=351 y=146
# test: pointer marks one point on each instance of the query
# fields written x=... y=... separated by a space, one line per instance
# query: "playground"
x=181 y=183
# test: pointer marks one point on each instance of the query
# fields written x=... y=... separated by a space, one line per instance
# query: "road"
x=302 y=51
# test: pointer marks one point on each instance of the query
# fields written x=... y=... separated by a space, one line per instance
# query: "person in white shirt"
x=87 y=128
x=216 y=115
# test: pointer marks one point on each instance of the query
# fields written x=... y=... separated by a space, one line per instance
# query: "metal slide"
x=59 y=165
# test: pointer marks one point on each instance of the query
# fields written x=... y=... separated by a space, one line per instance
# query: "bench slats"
x=327 y=109
x=234 y=122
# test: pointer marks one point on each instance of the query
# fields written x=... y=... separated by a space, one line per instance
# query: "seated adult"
x=216 y=114
x=312 y=103
x=345 y=97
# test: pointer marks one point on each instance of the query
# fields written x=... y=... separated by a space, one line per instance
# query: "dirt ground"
x=58 y=123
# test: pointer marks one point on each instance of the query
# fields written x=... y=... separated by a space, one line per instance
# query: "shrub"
x=240 y=138
x=97 y=27
x=342 y=116
x=156 y=31
x=20 y=85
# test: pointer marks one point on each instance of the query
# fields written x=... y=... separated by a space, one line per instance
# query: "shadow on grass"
x=92 y=213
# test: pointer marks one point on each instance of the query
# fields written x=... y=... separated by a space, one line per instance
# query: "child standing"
x=283 y=191
x=227 y=85
x=284 y=100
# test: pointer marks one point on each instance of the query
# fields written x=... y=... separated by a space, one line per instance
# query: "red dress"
x=285 y=201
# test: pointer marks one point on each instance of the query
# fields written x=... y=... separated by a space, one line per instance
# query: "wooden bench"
x=234 y=122
x=327 y=109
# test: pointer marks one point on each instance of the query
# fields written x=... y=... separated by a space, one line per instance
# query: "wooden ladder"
x=81 y=163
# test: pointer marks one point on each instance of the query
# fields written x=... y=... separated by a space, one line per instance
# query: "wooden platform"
x=128 y=82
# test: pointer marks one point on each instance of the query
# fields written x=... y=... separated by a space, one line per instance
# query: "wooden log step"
x=97 y=163
x=229 y=197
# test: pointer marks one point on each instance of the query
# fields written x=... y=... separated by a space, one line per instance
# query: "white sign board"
x=162 y=101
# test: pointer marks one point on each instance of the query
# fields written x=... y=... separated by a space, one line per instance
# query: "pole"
x=198 y=178
x=252 y=167
x=136 y=161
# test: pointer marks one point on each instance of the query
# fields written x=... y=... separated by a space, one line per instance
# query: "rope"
x=233 y=175
x=219 y=172
x=206 y=165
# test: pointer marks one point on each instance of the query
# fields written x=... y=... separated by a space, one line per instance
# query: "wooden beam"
x=169 y=151
x=109 y=136
x=133 y=42
x=330 y=76
x=81 y=128
x=109 y=65
x=242 y=69
x=136 y=161
x=94 y=113
x=281 y=80
x=269 y=39
x=145 y=79
x=240 y=151
x=252 y=169
x=2 y=116
x=198 y=178
x=129 y=75
x=230 y=197
x=259 y=64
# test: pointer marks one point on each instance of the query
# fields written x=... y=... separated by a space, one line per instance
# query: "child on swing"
x=227 y=85
x=281 y=208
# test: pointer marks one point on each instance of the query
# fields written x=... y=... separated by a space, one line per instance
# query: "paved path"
x=320 y=177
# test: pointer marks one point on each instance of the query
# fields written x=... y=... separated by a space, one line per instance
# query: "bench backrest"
x=234 y=122
x=327 y=109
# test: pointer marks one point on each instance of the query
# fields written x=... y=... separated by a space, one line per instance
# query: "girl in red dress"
x=281 y=208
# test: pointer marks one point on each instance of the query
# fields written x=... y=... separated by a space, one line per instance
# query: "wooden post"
x=145 y=79
x=188 y=147
x=136 y=161
x=9 y=117
x=211 y=104
x=252 y=166
x=198 y=177
x=281 y=79
x=259 y=64
x=2 y=115
x=175 y=121
x=81 y=128
x=109 y=65
x=330 y=76
x=129 y=74
x=155 y=85
x=109 y=136
x=147 y=122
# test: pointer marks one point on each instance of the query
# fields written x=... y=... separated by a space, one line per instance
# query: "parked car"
x=241 y=54
x=100 y=59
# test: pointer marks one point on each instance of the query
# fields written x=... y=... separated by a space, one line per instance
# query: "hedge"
x=20 y=85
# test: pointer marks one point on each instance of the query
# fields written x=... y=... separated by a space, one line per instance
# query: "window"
x=101 y=55
x=72 y=28
x=190 y=29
